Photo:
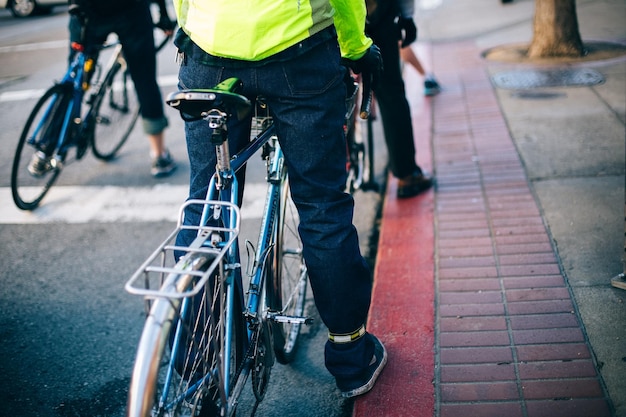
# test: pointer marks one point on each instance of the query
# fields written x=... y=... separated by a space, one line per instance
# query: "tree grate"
x=527 y=79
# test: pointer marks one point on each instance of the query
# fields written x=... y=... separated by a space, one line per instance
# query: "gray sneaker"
x=163 y=165
x=39 y=164
x=365 y=382
x=431 y=87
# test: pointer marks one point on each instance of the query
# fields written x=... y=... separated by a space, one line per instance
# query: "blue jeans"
x=306 y=96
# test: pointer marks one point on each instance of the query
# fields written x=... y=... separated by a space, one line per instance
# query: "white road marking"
x=19 y=95
x=108 y=204
x=34 y=46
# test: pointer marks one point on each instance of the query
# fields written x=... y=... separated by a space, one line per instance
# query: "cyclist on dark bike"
x=91 y=22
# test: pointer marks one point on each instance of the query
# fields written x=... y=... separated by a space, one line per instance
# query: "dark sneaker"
x=360 y=385
x=163 y=166
x=431 y=87
x=82 y=144
x=39 y=164
x=414 y=184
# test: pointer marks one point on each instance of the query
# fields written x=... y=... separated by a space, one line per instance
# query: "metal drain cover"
x=526 y=79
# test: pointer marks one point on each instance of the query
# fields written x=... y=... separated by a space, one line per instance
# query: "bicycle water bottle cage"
x=195 y=104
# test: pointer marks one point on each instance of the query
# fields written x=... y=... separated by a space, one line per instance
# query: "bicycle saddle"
x=193 y=104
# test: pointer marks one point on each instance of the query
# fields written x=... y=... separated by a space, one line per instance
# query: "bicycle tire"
x=356 y=156
x=195 y=385
x=41 y=134
x=361 y=157
x=287 y=289
x=115 y=111
x=369 y=183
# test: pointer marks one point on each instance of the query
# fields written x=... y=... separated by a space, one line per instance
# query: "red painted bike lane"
x=402 y=313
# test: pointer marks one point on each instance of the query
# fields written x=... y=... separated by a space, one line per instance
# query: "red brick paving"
x=468 y=296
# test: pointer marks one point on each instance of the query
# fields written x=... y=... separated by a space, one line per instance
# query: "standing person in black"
x=387 y=22
x=132 y=21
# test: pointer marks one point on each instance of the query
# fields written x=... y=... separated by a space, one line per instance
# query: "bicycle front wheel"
x=188 y=351
x=287 y=288
x=115 y=112
x=361 y=156
x=34 y=167
x=366 y=132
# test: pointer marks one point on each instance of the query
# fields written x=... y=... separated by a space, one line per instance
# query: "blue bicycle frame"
x=223 y=187
x=72 y=81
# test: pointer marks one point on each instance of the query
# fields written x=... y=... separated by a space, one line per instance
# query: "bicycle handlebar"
x=366 y=102
x=84 y=22
x=164 y=42
x=352 y=82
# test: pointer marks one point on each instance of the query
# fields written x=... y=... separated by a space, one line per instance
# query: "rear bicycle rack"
x=158 y=275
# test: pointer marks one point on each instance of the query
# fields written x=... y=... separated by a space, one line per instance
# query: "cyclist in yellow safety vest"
x=290 y=52
x=253 y=31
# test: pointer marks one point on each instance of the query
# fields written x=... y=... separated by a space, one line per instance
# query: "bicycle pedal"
x=281 y=318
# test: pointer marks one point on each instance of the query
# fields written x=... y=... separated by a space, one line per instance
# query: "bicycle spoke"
x=191 y=364
x=115 y=112
x=288 y=294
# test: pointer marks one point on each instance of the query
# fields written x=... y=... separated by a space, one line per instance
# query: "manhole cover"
x=525 y=79
x=537 y=95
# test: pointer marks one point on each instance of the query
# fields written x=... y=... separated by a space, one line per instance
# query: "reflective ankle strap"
x=346 y=337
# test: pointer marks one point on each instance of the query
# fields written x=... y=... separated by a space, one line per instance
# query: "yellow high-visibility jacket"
x=253 y=30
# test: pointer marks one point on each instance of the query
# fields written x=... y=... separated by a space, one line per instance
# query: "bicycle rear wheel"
x=34 y=167
x=287 y=290
x=115 y=112
x=179 y=368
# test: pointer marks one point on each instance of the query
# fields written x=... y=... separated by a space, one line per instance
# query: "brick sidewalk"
x=504 y=338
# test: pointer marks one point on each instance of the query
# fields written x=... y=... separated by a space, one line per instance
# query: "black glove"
x=74 y=8
x=407 y=31
x=370 y=65
x=166 y=24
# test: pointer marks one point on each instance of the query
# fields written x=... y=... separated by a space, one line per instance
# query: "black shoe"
x=82 y=144
x=414 y=184
x=360 y=385
x=163 y=165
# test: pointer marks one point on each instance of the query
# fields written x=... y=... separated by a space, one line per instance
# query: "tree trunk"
x=555 y=31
